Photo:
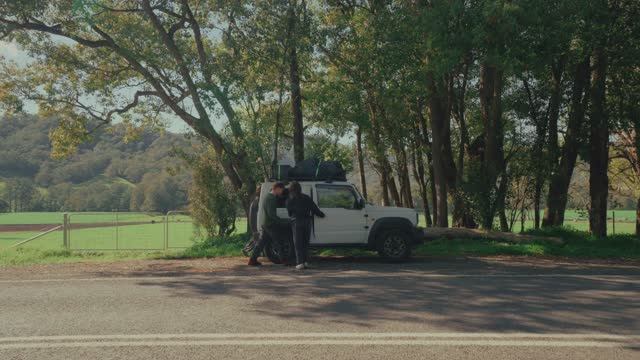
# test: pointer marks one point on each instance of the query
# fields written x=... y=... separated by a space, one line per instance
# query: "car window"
x=341 y=197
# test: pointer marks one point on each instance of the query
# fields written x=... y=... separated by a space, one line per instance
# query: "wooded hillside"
x=106 y=173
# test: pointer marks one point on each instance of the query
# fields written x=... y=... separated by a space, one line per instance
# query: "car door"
x=344 y=222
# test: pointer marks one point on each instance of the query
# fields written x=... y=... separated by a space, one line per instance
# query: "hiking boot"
x=300 y=267
x=254 y=262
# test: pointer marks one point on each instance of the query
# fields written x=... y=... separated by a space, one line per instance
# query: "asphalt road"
x=450 y=309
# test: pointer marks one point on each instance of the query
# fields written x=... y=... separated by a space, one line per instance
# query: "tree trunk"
x=638 y=218
x=417 y=157
x=561 y=178
x=636 y=123
x=360 y=156
x=502 y=194
x=554 y=110
x=504 y=223
x=382 y=163
x=557 y=70
x=537 y=195
x=419 y=176
x=491 y=114
x=598 y=146
x=537 y=155
x=393 y=189
x=440 y=130
x=461 y=215
x=432 y=189
x=296 y=108
x=428 y=146
x=493 y=163
x=384 y=184
x=405 y=181
x=294 y=82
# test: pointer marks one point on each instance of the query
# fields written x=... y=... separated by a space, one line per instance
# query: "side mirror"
x=361 y=203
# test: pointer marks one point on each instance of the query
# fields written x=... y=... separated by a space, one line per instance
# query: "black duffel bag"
x=304 y=170
x=313 y=169
x=331 y=170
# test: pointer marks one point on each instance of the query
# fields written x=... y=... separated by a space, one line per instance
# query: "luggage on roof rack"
x=331 y=170
x=313 y=170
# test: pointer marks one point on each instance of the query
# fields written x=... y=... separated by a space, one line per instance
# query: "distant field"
x=56 y=217
x=146 y=231
x=102 y=231
x=578 y=220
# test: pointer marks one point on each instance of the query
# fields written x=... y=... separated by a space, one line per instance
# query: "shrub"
x=212 y=200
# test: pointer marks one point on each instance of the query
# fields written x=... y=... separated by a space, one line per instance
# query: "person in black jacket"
x=301 y=210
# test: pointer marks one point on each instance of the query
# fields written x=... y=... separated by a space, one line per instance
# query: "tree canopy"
x=468 y=108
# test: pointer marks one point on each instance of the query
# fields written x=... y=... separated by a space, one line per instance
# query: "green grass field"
x=104 y=231
x=578 y=220
x=141 y=235
x=56 y=217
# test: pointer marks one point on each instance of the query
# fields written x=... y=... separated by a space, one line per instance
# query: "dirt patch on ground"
x=237 y=265
x=126 y=268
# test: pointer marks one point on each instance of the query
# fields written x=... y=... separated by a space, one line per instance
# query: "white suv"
x=351 y=222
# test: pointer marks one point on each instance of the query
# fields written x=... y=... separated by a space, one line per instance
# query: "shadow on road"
x=473 y=294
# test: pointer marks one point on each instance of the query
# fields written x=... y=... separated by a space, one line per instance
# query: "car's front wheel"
x=394 y=245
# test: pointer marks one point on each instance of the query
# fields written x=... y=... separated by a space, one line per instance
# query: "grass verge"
x=28 y=256
x=577 y=244
x=214 y=247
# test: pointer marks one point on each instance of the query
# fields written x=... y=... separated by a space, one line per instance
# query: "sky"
x=11 y=51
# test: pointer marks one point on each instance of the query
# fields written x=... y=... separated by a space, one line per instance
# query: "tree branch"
x=55 y=30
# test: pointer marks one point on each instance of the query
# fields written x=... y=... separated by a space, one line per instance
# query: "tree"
x=4 y=206
x=135 y=60
x=211 y=199
x=158 y=193
x=326 y=148
x=560 y=179
x=624 y=97
x=19 y=192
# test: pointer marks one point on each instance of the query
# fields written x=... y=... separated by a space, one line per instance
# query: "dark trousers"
x=301 y=229
x=269 y=233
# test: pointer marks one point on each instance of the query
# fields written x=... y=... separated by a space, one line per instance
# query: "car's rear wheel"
x=394 y=245
x=272 y=251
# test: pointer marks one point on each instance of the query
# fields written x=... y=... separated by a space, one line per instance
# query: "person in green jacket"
x=270 y=224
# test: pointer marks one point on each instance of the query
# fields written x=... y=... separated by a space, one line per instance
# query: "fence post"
x=166 y=231
x=613 y=213
x=65 y=230
x=117 y=229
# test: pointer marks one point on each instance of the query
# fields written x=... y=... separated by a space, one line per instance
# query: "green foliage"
x=482 y=194
x=158 y=192
x=100 y=176
x=212 y=200
x=229 y=245
x=324 y=148
x=4 y=206
x=20 y=192
x=407 y=75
